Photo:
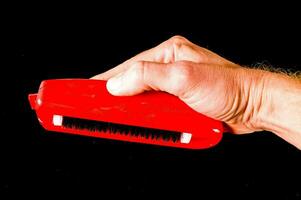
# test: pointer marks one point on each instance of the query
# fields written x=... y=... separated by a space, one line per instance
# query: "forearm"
x=280 y=111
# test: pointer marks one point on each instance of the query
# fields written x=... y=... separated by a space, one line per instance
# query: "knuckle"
x=175 y=45
x=177 y=39
x=176 y=42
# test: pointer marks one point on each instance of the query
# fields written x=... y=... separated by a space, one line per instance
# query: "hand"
x=205 y=81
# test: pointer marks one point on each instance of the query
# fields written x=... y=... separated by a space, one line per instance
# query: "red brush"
x=84 y=107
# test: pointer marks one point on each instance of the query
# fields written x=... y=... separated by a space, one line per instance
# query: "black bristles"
x=112 y=128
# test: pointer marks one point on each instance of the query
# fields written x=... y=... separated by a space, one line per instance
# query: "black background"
x=83 y=42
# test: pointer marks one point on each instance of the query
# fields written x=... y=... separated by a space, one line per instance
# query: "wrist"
x=280 y=107
x=255 y=87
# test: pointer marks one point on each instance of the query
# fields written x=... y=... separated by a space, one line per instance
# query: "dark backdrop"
x=35 y=162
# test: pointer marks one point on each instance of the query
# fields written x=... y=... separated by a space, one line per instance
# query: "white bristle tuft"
x=185 y=138
x=57 y=120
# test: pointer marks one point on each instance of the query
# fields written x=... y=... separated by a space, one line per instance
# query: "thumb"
x=143 y=76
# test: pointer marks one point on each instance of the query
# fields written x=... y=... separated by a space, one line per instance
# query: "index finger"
x=151 y=55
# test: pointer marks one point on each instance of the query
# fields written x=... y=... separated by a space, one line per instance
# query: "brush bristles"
x=127 y=130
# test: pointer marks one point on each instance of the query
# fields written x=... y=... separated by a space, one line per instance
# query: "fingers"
x=175 y=49
x=163 y=53
x=152 y=55
x=142 y=76
x=146 y=55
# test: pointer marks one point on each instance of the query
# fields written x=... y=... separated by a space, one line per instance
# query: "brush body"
x=84 y=107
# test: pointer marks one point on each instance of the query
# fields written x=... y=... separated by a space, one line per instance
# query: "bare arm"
x=281 y=108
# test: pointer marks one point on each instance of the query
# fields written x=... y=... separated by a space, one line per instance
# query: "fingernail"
x=114 y=85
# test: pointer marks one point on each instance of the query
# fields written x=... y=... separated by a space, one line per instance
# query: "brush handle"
x=89 y=99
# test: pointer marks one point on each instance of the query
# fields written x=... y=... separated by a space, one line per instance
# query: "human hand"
x=206 y=82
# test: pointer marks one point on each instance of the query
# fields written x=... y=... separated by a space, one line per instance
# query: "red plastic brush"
x=84 y=107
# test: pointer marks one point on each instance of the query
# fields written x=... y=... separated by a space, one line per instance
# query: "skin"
x=246 y=100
